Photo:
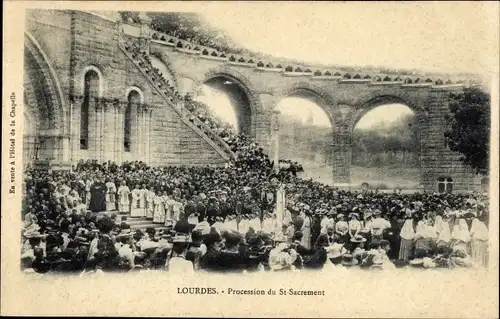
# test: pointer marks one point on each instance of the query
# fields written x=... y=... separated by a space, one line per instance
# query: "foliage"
x=129 y=16
x=396 y=143
x=469 y=127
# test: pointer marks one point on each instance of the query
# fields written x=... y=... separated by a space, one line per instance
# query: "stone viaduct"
x=91 y=93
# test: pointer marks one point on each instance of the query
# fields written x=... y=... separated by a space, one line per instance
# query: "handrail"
x=200 y=128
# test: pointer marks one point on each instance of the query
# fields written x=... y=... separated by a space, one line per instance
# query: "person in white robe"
x=135 y=209
x=169 y=206
x=123 y=198
x=244 y=225
x=142 y=200
x=88 y=185
x=460 y=237
x=444 y=236
x=110 y=196
x=150 y=196
x=326 y=221
x=159 y=208
x=231 y=223
x=81 y=208
x=269 y=224
x=219 y=225
x=306 y=231
x=176 y=209
x=479 y=242
x=255 y=223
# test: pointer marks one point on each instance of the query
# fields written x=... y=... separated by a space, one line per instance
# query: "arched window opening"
x=134 y=99
x=445 y=184
x=90 y=92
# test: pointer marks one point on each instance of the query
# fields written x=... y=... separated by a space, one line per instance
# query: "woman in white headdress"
x=422 y=240
x=460 y=237
x=438 y=224
x=479 y=242
x=407 y=234
x=444 y=236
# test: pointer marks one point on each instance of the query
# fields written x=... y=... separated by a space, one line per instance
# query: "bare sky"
x=430 y=36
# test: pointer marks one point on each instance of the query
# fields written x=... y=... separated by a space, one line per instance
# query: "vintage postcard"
x=251 y=159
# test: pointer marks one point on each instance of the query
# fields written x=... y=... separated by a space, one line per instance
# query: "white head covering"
x=430 y=232
x=444 y=234
x=407 y=231
x=438 y=224
x=461 y=231
x=478 y=230
x=421 y=230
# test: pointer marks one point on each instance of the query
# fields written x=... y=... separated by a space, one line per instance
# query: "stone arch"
x=370 y=101
x=48 y=91
x=375 y=99
x=244 y=83
x=82 y=79
x=138 y=90
x=246 y=116
x=313 y=93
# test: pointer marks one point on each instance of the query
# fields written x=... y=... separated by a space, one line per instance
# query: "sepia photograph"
x=340 y=143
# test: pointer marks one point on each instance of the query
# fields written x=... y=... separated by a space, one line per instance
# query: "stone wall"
x=89 y=42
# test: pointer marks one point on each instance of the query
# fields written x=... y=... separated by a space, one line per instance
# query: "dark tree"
x=469 y=129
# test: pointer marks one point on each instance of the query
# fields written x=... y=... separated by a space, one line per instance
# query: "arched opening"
x=386 y=147
x=227 y=101
x=305 y=135
x=91 y=90
x=133 y=102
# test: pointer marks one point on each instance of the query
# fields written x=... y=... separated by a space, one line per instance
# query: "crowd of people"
x=225 y=219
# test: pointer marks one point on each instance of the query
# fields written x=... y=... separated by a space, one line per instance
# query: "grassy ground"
x=382 y=178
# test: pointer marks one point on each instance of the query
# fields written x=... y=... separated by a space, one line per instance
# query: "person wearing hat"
x=213 y=242
x=230 y=258
x=341 y=229
x=297 y=245
x=196 y=248
x=349 y=261
x=326 y=221
x=125 y=253
x=378 y=225
x=176 y=259
x=354 y=225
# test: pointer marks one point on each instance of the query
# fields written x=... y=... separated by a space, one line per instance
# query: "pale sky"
x=429 y=36
x=300 y=109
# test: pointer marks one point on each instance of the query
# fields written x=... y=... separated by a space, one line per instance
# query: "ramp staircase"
x=140 y=60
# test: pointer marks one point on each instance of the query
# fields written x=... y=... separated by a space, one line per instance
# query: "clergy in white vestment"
x=123 y=198
x=135 y=209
